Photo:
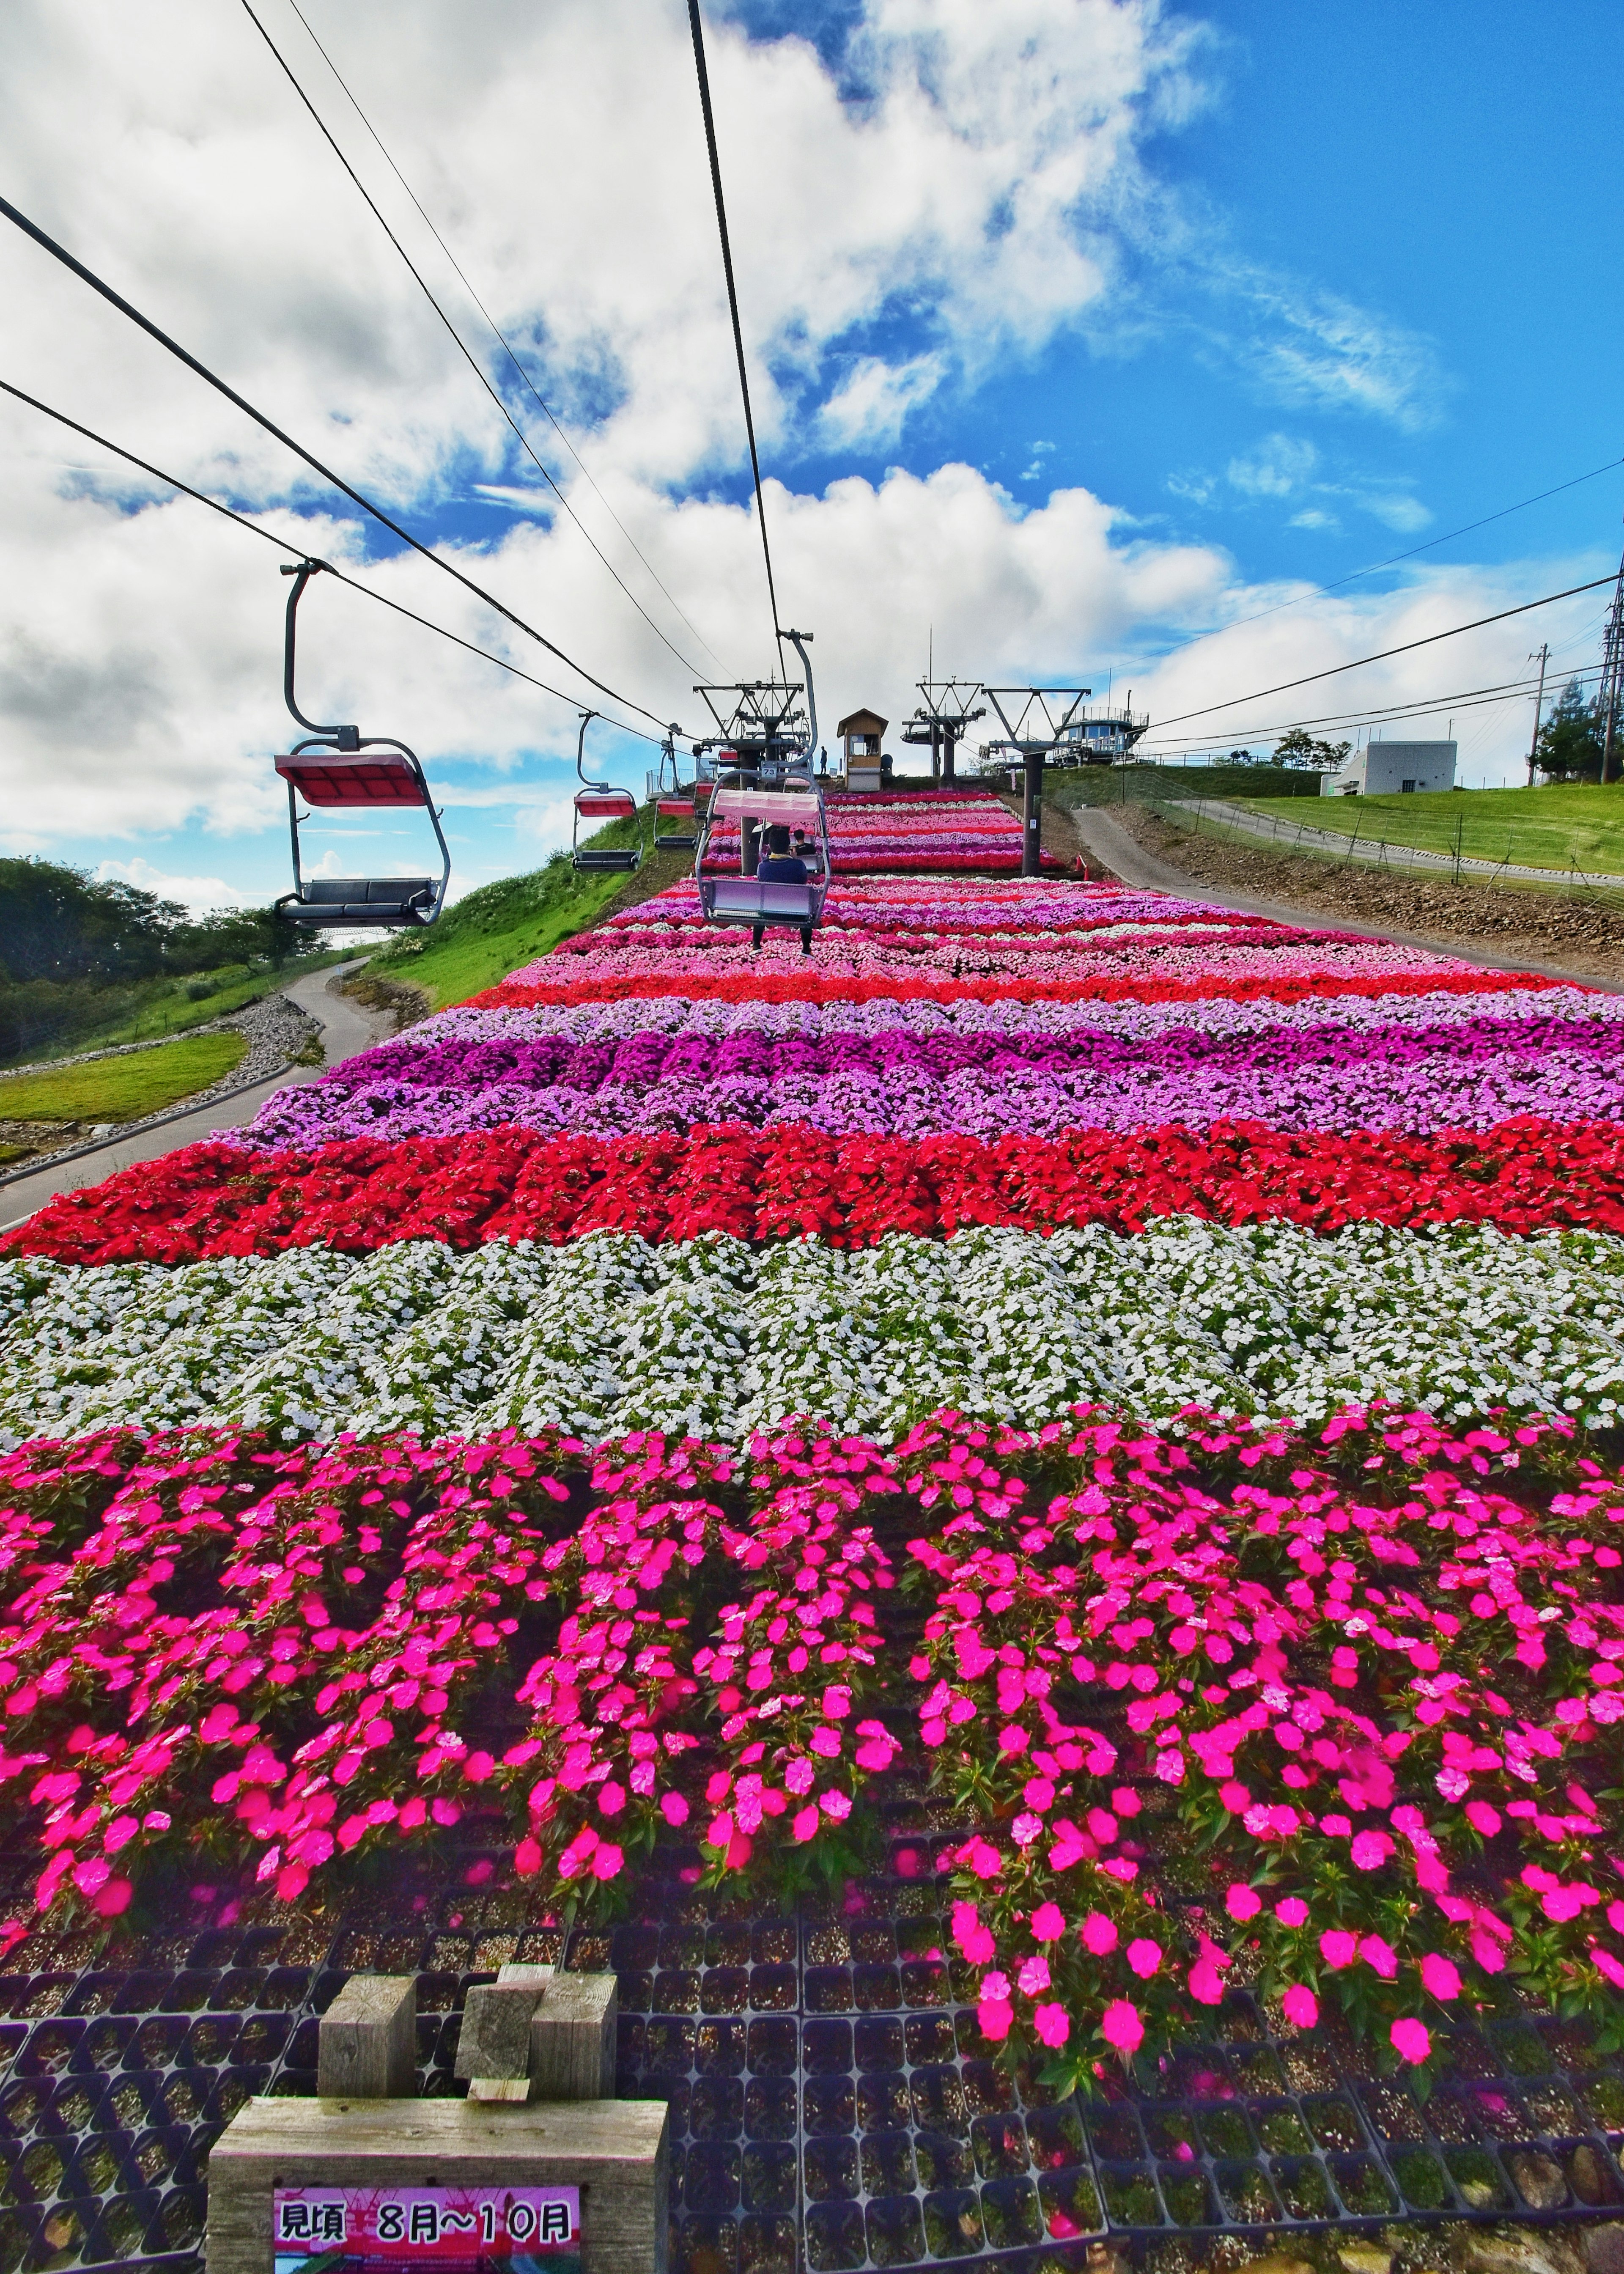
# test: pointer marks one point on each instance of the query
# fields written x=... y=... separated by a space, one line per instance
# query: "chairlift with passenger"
x=597 y=802
x=789 y=800
x=339 y=766
x=796 y=807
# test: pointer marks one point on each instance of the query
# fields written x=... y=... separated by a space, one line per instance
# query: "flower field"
x=1091 y=1409
x=893 y=832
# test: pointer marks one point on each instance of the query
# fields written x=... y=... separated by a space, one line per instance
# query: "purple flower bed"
x=1473 y=1074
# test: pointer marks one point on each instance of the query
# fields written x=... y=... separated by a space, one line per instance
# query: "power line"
x=472 y=361
x=1258 y=695
x=1317 y=592
x=88 y=275
x=733 y=303
x=508 y=348
x=173 y=482
x=1475 y=700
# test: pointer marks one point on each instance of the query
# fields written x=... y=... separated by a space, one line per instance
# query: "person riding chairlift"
x=778 y=865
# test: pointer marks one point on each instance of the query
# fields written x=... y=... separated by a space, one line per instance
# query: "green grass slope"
x=122 y=1088
x=1537 y=828
x=509 y=922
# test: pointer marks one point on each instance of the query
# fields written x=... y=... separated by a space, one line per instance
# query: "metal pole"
x=1031 y=816
x=947 y=753
x=1539 y=705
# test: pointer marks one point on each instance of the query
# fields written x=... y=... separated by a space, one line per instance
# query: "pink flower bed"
x=1339 y=1717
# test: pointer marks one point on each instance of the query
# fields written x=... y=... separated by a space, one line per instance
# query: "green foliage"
x=1301 y=749
x=82 y=955
x=1242 y=777
x=57 y=923
x=1569 y=747
x=122 y=1088
x=502 y=925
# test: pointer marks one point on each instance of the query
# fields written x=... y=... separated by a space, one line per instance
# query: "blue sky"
x=1083 y=337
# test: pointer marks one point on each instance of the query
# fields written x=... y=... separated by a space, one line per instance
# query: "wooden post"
x=367 y=2047
x=573 y=2038
x=493 y=2046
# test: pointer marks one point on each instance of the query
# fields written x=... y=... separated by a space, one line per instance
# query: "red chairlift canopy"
x=321 y=778
x=605 y=805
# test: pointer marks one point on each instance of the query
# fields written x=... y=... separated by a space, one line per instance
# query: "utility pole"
x=1539 y=705
x=1610 y=694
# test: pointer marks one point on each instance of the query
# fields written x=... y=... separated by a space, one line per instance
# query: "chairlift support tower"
x=1034 y=720
x=764 y=733
x=942 y=719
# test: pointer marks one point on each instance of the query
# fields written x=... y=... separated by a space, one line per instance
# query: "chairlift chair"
x=756 y=901
x=597 y=803
x=674 y=821
x=338 y=766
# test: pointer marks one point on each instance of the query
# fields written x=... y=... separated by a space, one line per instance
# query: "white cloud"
x=199 y=895
x=1394 y=509
x=1314 y=347
x=868 y=409
x=1280 y=465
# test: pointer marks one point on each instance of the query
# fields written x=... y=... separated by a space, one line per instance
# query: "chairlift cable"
x=282 y=544
x=1429 y=639
x=508 y=349
x=733 y=306
x=1501 y=690
x=88 y=276
x=471 y=360
x=1374 y=569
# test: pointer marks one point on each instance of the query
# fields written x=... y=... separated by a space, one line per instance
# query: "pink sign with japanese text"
x=515 y=2230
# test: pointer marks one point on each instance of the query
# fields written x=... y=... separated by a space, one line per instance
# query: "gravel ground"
x=278 y=1034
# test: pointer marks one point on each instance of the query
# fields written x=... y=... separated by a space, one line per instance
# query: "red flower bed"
x=1393 y=1657
x=786 y=1183
x=811 y=987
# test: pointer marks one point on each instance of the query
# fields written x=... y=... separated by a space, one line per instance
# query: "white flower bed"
x=609 y=1334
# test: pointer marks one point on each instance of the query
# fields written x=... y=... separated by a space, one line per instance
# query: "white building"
x=1381 y=768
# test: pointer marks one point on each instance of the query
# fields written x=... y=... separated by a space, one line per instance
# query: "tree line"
x=74 y=947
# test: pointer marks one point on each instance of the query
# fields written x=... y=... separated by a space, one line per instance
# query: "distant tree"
x=1302 y=749
x=58 y=925
x=1569 y=747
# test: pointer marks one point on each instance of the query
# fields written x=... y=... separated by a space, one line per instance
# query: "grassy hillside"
x=494 y=930
x=151 y=1007
x=1539 y=828
x=122 y=1088
x=1116 y=784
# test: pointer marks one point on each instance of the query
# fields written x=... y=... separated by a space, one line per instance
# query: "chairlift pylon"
x=597 y=802
x=331 y=767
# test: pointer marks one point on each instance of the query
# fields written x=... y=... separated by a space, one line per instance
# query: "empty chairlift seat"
x=597 y=803
x=326 y=779
x=340 y=767
x=675 y=825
